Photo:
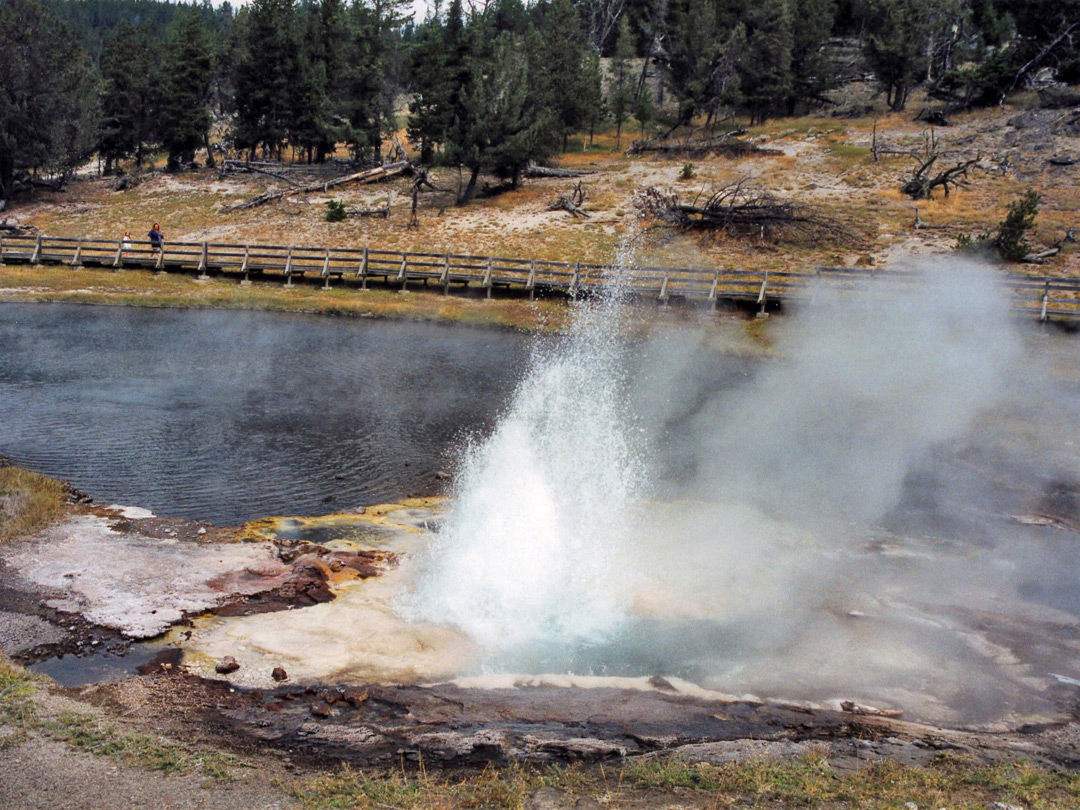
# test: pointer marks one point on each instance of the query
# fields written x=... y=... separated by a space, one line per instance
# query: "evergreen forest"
x=485 y=85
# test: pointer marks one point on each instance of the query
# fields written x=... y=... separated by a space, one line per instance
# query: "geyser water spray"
x=532 y=548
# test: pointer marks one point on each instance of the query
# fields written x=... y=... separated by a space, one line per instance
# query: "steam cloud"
x=820 y=523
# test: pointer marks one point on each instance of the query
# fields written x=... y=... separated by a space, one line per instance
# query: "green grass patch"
x=17 y=687
x=28 y=502
x=85 y=733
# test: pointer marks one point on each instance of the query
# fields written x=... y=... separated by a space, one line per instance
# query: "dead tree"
x=421 y=182
x=744 y=211
x=571 y=202
x=922 y=182
x=366 y=176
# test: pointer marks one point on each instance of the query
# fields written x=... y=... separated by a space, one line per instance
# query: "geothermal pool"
x=886 y=509
x=230 y=416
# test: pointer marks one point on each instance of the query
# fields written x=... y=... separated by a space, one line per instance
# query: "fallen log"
x=366 y=176
x=532 y=171
x=238 y=166
x=723 y=145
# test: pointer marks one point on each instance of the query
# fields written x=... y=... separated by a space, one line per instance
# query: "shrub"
x=335 y=211
x=1011 y=240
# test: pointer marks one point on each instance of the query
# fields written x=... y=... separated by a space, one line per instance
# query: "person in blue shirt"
x=157 y=239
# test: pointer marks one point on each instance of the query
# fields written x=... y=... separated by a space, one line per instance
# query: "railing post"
x=712 y=290
x=362 y=272
x=530 y=285
x=76 y=260
x=401 y=276
x=1045 y=301
x=761 y=295
x=203 y=262
x=288 y=268
x=35 y=257
x=487 y=279
x=326 y=270
x=663 y=299
x=118 y=259
x=160 y=263
x=245 y=267
x=445 y=277
x=575 y=281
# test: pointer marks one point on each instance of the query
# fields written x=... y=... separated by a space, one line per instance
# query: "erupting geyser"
x=820 y=525
x=530 y=549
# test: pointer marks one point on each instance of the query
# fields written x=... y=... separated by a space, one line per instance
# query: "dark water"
x=226 y=416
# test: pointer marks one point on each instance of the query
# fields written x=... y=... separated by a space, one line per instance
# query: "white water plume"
x=831 y=518
x=542 y=507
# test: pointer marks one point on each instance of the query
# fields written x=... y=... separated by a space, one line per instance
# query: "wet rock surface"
x=452 y=727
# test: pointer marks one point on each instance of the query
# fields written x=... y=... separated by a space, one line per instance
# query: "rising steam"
x=670 y=510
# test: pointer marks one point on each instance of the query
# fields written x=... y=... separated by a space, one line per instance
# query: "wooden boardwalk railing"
x=1042 y=297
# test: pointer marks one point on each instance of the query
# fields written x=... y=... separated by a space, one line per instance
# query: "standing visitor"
x=157 y=240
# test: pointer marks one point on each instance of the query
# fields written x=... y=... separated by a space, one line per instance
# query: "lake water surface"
x=226 y=416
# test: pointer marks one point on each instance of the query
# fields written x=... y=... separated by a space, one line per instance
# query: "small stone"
x=354 y=695
x=320 y=709
x=226 y=665
x=279 y=674
x=201 y=531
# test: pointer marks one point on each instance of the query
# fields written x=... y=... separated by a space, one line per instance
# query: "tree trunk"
x=210 y=162
x=465 y=196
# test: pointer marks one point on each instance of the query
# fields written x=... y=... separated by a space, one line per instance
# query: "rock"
x=548 y=798
x=354 y=695
x=320 y=709
x=226 y=665
x=1003 y=806
x=1059 y=97
x=857 y=708
x=279 y=674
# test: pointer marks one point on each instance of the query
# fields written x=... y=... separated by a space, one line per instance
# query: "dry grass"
x=807 y=782
x=826 y=163
x=28 y=502
x=144 y=288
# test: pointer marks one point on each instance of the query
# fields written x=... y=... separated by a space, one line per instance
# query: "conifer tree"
x=557 y=59
x=183 y=116
x=623 y=80
x=49 y=107
x=128 y=93
x=898 y=46
x=266 y=67
x=766 y=78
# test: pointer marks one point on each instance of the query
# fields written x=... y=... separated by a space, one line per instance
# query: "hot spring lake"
x=226 y=416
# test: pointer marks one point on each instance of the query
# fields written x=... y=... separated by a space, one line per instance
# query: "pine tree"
x=593 y=96
x=623 y=80
x=765 y=74
x=495 y=128
x=693 y=48
x=557 y=76
x=128 y=93
x=898 y=46
x=49 y=107
x=809 y=66
x=266 y=67
x=183 y=117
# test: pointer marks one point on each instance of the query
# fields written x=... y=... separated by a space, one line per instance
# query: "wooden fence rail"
x=1044 y=297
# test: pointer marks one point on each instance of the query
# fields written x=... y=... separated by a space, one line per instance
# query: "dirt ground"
x=821 y=160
